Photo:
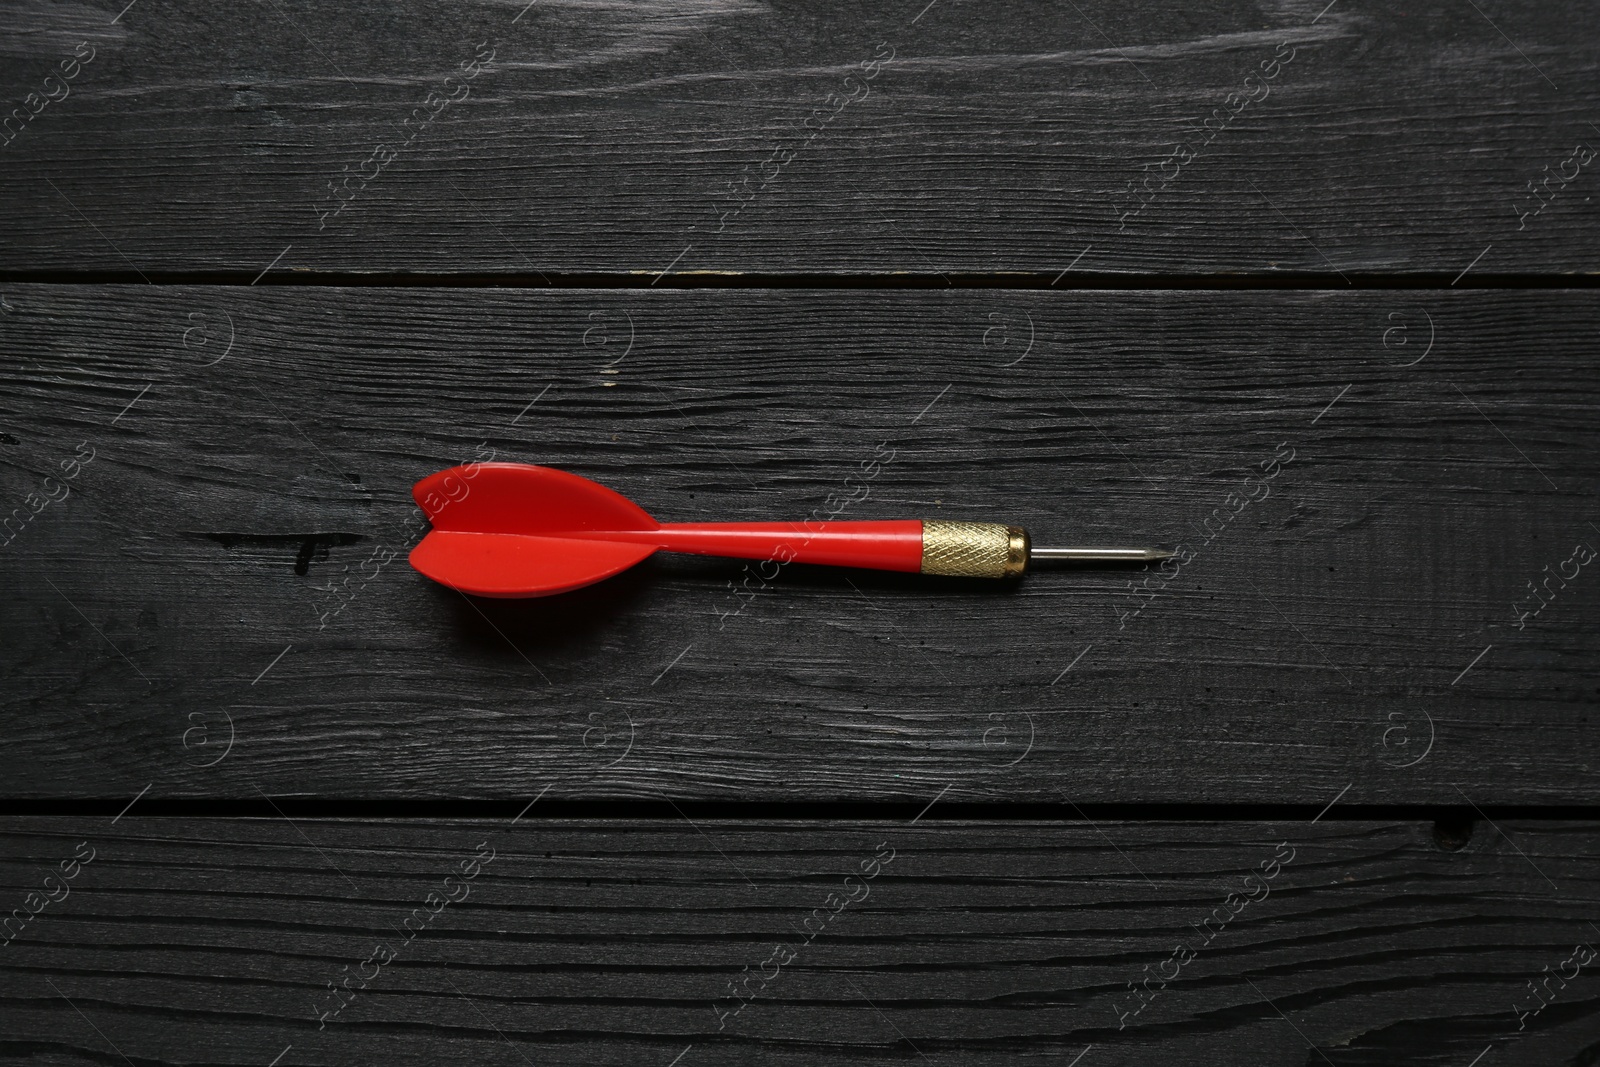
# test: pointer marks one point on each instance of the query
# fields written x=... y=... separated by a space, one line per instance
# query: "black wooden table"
x=1305 y=290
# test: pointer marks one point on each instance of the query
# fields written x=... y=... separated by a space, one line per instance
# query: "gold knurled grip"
x=973 y=549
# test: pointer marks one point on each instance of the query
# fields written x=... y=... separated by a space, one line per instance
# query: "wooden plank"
x=221 y=604
x=977 y=944
x=1339 y=139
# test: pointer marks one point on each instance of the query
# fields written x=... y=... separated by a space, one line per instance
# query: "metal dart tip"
x=1099 y=555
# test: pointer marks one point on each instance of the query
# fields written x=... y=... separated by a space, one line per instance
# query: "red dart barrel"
x=890 y=545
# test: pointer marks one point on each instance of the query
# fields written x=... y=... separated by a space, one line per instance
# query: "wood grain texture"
x=186 y=941
x=1351 y=620
x=1008 y=136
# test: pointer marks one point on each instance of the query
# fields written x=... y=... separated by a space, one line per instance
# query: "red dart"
x=516 y=530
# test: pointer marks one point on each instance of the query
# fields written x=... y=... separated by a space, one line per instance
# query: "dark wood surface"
x=1349 y=621
x=196 y=940
x=1327 y=782
x=1001 y=137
